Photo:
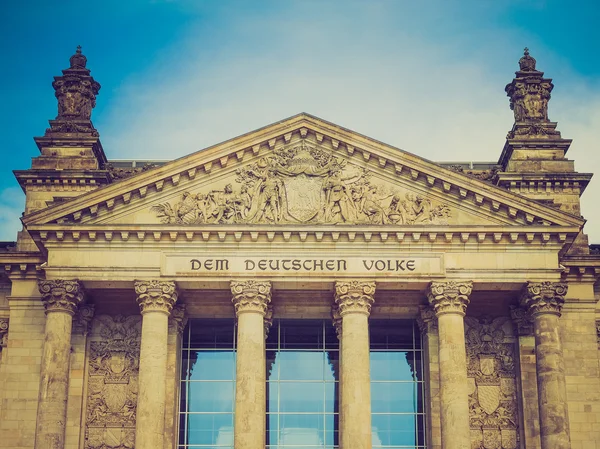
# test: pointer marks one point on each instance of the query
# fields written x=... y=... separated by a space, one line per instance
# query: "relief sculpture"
x=112 y=383
x=303 y=184
x=493 y=407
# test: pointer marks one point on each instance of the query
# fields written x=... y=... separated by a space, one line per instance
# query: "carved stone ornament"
x=268 y=320
x=336 y=320
x=598 y=332
x=83 y=319
x=426 y=320
x=522 y=320
x=529 y=92
x=493 y=406
x=61 y=295
x=251 y=296
x=112 y=382
x=449 y=296
x=156 y=296
x=302 y=184
x=3 y=332
x=354 y=297
x=178 y=318
x=544 y=297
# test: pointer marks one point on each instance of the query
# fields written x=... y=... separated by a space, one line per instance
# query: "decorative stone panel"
x=493 y=406
x=113 y=367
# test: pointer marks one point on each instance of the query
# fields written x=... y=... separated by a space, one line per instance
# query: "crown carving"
x=450 y=297
x=156 y=296
x=354 y=297
x=544 y=297
x=61 y=295
x=251 y=296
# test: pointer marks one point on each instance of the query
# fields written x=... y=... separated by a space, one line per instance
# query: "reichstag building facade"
x=301 y=286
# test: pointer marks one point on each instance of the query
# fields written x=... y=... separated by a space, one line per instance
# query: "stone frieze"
x=303 y=184
x=493 y=408
x=112 y=383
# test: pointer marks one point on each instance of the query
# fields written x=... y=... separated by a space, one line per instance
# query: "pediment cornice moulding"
x=378 y=156
x=560 y=237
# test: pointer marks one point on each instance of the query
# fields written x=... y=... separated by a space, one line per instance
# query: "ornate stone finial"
x=522 y=319
x=60 y=295
x=3 y=332
x=354 y=296
x=527 y=62
x=426 y=320
x=178 y=317
x=78 y=60
x=76 y=93
x=156 y=296
x=529 y=94
x=82 y=321
x=251 y=296
x=336 y=320
x=449 y=297
x=544 y=297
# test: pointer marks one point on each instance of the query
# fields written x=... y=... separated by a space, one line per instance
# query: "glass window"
x=207 y=384
x=302 y=389
x=397 y=407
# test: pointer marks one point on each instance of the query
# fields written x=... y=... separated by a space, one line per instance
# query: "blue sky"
x=181 y=75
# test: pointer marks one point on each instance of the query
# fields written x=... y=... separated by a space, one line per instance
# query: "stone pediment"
x=301 y=171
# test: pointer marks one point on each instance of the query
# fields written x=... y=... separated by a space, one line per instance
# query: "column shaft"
x=450 y=300
x=356 y=382
x=156 y=300
x=354 y=300
x=454 y=396
x=545 y=301
x=61 y=299
x=251 y=300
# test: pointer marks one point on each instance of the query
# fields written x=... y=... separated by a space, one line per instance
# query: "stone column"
x=61 y=299
x=544 y=301
x=354 y=300
x=156 y=300
x=251 y=303
x=449 y=301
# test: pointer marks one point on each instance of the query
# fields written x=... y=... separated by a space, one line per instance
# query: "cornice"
x=133 y=234
x=366 y=151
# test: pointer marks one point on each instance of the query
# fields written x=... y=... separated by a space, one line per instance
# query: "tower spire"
x=76 y=92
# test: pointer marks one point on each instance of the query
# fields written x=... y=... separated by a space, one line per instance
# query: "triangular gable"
x=302 y=170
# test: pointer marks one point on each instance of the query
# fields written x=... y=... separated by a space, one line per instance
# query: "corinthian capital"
x=156 y=296
x=449 y=297
x=61 y=296
x=354 y=296
x=544 y=297
x=251 y=296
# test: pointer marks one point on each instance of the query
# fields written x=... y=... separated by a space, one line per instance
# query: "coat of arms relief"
x=492 y=380
x=303 y=184
x=112 y=382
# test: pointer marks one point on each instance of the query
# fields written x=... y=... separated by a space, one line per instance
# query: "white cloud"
x=373 y=68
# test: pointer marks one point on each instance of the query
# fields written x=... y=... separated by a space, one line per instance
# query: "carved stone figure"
x=529 y=92
x=302 y=184
x=492 y=378
x=112 y=383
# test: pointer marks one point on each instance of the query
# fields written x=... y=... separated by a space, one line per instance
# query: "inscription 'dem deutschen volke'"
x=210 y=265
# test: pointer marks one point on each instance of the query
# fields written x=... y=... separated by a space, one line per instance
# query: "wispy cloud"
x=405 y=76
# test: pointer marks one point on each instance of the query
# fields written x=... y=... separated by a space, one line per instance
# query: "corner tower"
x=71 y=160
x=533 y=160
